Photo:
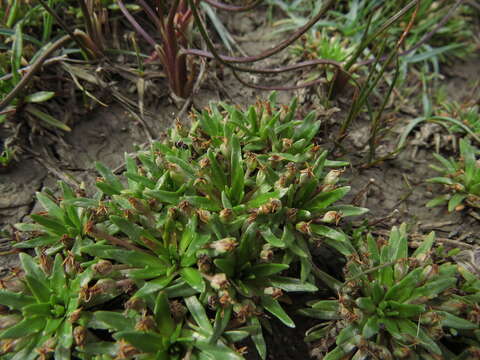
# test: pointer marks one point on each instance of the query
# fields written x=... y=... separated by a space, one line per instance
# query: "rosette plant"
x=46 y=309
x=59 y=227
x=461 y=178
x=395 y=304
x=162 y=330
x=218 y=213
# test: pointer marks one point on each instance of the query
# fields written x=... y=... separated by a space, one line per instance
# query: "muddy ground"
x=393 y=189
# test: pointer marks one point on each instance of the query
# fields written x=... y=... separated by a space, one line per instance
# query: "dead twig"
x=34 y=68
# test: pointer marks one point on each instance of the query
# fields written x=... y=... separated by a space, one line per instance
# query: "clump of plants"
x=440 y=30
x=196 y=250
x=461 y=179
x=397 y=304
x=319 y=45
x=468 y=113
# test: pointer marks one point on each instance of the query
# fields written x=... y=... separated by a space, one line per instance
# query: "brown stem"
x=135 y=24
x=427 y=36
x=64 y=26
x=89 y=43
x=86 y=16
x=34 y=68
x=99 y=234
x=249 y=59
x=151 y=14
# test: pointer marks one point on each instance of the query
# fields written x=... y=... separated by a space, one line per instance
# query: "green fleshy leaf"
x=455 y=322
x=325 y=199
x=348 y=210
x=145 y=341
x=274 y=307
x=203 y=203
x=455 y=200
x=222 y=318
x=25 y=327
x=257 y=337
x=163 y=317
x=39 y=96
x=193 y=278
x=236 y=168
x=65 y=341
x=154 y=286
x=15 y=301
x=198 y=312
x=166 y=197
x=111 y=320
x=50 y=205
x=425 y=246
x=35 y=278
x=410 y=328
x=265 y=270
x=218 y=351
x=291 y=284
x=371 y=328
x=109 y=176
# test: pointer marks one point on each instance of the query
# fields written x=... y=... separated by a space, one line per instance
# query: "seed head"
x=304 y=227
x=204 y=215
x=275 y=159
x=176 y=173
x=430 y=318
x=291 y=170
x=224 y=298
x=200 y=181
x=226 y=216
x=332 y=177
x=136 y=304
x=126 y=350
x=8 y=345
x=267 y=253
x=102 y=286
x=80 y=335
x=213 y=302
x=126 y=285
x=251 y=161
x=204 y=264
x=180 y=129
x=429 y=272
x=458 y=187
x=75 y=316
x=204 y=163
x=103 y=267
x=224 y=245
x=244 y=312
x=286 y=144
x=46 y=263
x=138 y=205
x=47 y=348
x=219 y=281
x=146 y=323
x=177 y=310
x=185 y=207
x=305 y=176
x=273 y=292
x=331 y=217
x=225 y=148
